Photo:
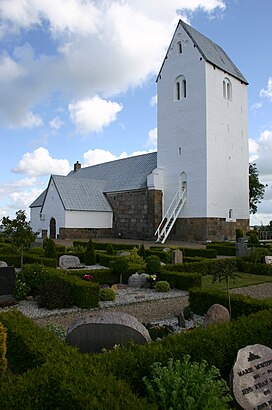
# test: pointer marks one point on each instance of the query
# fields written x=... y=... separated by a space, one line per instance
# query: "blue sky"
x=77 y=82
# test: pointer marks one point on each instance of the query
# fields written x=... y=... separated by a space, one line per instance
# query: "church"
x=194 y=188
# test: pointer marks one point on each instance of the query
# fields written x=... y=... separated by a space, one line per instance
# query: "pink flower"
x=87 y=277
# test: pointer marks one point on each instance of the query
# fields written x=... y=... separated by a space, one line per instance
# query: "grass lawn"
x=245 y=279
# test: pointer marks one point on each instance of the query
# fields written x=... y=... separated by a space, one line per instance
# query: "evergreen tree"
x=89 y=254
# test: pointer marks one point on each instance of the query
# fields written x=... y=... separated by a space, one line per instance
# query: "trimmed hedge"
x=218 y=344
x=225 y=249
x=201 y=300
x=181 y=280
x=103 y=245
x=101 y=276
x=254 y=268
x=84 y=294
x=202 y=253
x=11 y=260
x=205 y=267
x=3 y=349
x=58 y=376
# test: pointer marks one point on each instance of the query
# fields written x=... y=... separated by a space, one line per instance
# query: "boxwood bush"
x=181 y=280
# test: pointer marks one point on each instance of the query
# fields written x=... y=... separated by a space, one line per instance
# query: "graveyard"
x=107 y=357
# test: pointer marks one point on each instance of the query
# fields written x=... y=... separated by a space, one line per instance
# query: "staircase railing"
x=170 y=216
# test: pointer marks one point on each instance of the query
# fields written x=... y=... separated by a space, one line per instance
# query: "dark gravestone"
x=251 y=378
x=7 y=280
x=94 y=333
x=241 y=248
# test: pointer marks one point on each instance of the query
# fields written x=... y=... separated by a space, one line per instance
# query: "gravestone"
x=268 y=260
x=3 y=264
x=241 y=248
x=92 y=334
x=251 y=378
x=138 y=281
x=7 y=280
x=216 y=314
x=177 y=257
x=69 y=262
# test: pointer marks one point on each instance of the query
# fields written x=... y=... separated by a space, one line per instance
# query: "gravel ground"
x=263 y=291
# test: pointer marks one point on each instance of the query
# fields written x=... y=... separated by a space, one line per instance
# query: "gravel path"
x=263 y=291
x=145 y=311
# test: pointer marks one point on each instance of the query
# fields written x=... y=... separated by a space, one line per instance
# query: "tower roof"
x=211 y=52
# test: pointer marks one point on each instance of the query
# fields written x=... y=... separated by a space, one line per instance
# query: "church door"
x=52 y=228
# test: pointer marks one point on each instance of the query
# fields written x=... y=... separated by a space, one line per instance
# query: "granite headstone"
x=69 y=262
x=93 y=333
x=251 y=378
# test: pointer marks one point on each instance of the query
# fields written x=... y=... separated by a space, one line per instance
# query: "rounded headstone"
x=251 y=377
x=3 y=264
x=92 y=334
x=216 y=314
x=138 y=281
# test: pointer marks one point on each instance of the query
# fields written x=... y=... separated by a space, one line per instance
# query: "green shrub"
x=181 y=280
x=109 y=249
x=56 y=330
x=85 y=294
x=254 y=268
x=11 y=259
x=106 y=294
x=34 y=276
x=185 y=385
x=222 y=248
x=37 y=251
x=104 y=259
x=203 y=253
x=239 y=233
x=101 y=276
x=162 y=286
x=3 y=349
x=253 y=238
x=55 y=294
x=21 y=289
x=119 y=266
x=31 y=259
x=89 y=254
x=49 y=248
x=134 y=257
x=257 y=255
x=153 y=265
x=201 y=300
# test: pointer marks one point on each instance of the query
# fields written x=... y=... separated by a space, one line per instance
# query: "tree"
x=19 y=231
x=256 y=189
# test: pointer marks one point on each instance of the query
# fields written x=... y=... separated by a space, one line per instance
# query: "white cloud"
x=56 y=123
x=267 y=92
x=99 y=156
x=39 y=162
x=100 y=47
x=9 y=69
x=152 y=138
x=256 y=106
x=93 y=114
x=30 y=121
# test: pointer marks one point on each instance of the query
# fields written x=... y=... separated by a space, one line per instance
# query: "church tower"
x=202 y=140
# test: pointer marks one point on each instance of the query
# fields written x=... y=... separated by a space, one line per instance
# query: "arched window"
x=227 y=89
x=230 y=214
x=180 y=89
x=179 y=47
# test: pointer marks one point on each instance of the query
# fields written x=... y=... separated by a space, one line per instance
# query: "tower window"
x=179 y=47
x=230 y=214
x=227 y=89
x=180 y=88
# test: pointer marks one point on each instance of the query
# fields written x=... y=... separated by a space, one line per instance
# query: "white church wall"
x=37 y=220
x=182 y=125
x=227 y=147
x=86 y=219
x=53 y=208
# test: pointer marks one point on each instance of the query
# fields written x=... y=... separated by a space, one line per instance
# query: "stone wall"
x=84 y=233
x=136 y=214
x=206 y=229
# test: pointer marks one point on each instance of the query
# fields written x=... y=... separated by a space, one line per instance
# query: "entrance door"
x=52 y=228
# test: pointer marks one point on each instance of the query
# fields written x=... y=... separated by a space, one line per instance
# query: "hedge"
x=11 y=260
x=225 y=249
x=254 y=268
x=58 y=376
x=84 y=294
x=3 y=349
x=218 y=344
x=201 y=300
x=205 y=267
x=181 y=280
x=103 y=246
x=102 y=276
x=32 y=258
x=203 y=253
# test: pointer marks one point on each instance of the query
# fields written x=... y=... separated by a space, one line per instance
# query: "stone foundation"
x=84 y=233
x=207 y=229
x=136 y=214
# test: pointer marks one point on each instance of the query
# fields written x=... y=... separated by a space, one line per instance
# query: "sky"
x=77 y=83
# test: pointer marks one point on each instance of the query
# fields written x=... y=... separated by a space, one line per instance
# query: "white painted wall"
x=53 y=208
x=182 y=125
x=35 y=220
x=203 y=135
x=227 y=147
x=84 y=219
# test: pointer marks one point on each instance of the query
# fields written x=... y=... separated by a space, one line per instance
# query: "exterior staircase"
x=170 y=216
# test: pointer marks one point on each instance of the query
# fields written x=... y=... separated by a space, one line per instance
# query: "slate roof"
x=121 y=175
x=84 y=190
x=81 y=193
x=212 y=53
